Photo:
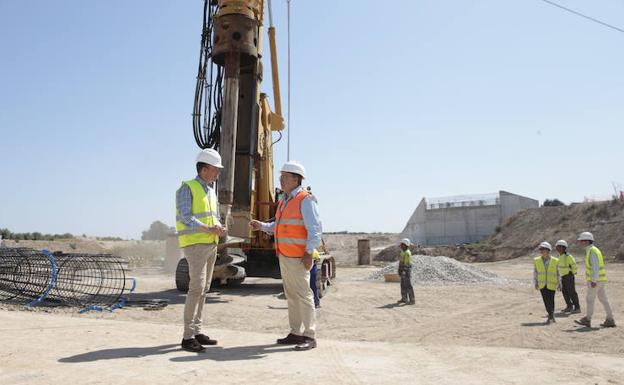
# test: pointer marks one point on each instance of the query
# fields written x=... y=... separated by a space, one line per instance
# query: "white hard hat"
x=294 y=167
x=561 y=242
x=210 y=156
x=406 y=242
x=586 y=236
x=545 y=245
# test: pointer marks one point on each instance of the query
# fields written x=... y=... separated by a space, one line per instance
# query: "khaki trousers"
x=296 y=281
x=601 y=291
x=201 y=259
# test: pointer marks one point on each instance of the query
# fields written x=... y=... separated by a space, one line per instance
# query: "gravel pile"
x=428 y=270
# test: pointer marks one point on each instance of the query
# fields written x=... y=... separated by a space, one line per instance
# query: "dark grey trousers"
x=549 y=301
x=569 y=291
x=407 y=291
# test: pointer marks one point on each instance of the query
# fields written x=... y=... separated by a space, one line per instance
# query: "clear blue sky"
x=390 y=103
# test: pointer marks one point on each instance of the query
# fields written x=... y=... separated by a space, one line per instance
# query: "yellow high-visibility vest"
x=547 y=278
x=204 y=208
x=589 y=273
x=567 y=264
x=405 y=257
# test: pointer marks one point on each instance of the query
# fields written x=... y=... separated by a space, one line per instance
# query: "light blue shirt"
x=184 y=202
x=311 y=221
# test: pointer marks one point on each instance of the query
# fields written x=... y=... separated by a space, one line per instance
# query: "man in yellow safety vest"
x=596 y=278
x=567 y=269
x=546 y=278
x=198 y=229
x=405 y=272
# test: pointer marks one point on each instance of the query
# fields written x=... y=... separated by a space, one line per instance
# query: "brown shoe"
x=584 y=322
x=291 y=339
x=308 y=343
x=609 y=323
x=191 y=345
x=205 y=340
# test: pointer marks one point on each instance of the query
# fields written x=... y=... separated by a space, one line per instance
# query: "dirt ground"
x=456 y=334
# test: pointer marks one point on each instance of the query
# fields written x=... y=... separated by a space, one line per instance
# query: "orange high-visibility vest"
x=291 y=235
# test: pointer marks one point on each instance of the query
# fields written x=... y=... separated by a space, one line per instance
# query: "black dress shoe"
x=205 y=340
x=308 y=343
x=291 y=339
x=191 y=345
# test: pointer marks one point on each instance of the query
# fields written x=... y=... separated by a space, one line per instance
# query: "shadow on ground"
x=532 y=324
x=112 y=354
x=216 y=353
x=237 y=353
x=582 y=329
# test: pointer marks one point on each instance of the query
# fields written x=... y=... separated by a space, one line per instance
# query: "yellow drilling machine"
x=232 y=115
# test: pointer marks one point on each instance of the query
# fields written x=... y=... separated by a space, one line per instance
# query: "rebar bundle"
x=73 y=279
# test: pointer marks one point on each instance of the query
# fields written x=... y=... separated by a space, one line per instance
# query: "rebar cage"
x=29 y=276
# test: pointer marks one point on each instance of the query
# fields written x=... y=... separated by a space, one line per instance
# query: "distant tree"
x=6 y=234
x=157 y=232
x=36 y=236
x=552 y=203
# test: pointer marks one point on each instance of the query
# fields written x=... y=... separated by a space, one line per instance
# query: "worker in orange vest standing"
x=297 y=231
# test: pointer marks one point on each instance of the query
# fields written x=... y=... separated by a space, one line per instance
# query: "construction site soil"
x=479 y=333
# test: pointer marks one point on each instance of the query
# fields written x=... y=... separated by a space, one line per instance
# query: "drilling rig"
x=232 y=115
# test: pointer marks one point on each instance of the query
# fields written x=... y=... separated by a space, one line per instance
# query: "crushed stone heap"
x=442 y=270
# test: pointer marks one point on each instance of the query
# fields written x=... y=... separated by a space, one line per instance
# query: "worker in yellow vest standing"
x=567 y=269
x=546 y=278
x=405 y=272
x=297 y=231
x=199 y=229
x=596 y=278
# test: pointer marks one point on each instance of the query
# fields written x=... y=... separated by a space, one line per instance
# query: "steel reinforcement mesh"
x=73 y=279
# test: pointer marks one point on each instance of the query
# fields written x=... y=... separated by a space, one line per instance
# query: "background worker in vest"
x=405 y=272
x=313 y=274
x=297 y=230
x=567 y=269
x=546 y=278
x=596 y=278
x=199 y=229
